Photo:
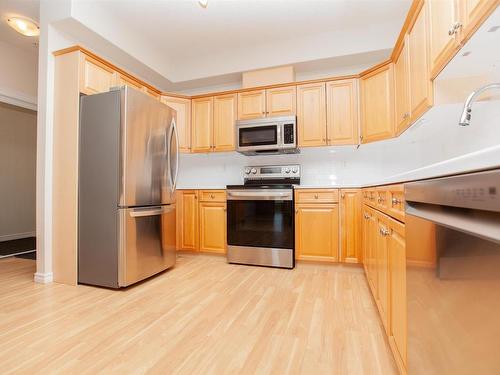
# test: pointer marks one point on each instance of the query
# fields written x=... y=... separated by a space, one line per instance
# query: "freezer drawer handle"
x=143 y=213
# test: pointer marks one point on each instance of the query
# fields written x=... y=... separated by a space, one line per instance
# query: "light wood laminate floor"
x=202 y=317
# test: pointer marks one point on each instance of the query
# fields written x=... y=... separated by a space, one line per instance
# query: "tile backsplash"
x=434 y=138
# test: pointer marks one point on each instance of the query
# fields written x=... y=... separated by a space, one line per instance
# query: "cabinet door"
x=442 y=16
x=383 y=270
x=317 y=232
x=187 y=220
x=151 y=93
x=342 y=112
x=311 y=114
x=372 y=252
x=251 y=104
x=397 y=281
x=281 y=101
x=213 y=227
x=377 y=104
x=95 y=77
x=365 y=239
x=473 y=13
x=202 y=124
x=402 y=89
x=350 y=225
x=224 y=117
x=420 y=82
x=183 y=108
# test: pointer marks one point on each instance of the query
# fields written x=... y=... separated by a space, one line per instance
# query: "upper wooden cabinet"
x=251 y=104
x=95 y=77
x=281 y=101
x=377 y=104
x=311 y=114
x=225 y=108
x=202 y=124
x=402 y=89
x=350 y=226
x=123 y=80
x=444 y=42
x=472 y=14
x=421 y=90
x=151 y=93
x=183 y=108
x=342 y=112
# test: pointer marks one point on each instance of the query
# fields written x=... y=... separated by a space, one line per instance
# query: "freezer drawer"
x=147 y=242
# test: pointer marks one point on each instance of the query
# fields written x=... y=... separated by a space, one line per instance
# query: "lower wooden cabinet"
x=187 y=220
x=201 y=220
x=350 y=225
x=213 y=227
x=384 y=249
x=317 y=232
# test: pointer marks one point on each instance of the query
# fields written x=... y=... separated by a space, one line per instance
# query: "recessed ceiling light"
x=493 y=29
x=203 y=3
x=465 y=54
x=24 y=26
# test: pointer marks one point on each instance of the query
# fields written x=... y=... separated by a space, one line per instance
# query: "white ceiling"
x=185 y=43
x=21 y=8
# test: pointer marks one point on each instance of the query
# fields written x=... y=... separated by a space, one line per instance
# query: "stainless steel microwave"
x=267 y=136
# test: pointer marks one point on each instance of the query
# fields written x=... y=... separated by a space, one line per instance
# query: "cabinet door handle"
x=296 y=211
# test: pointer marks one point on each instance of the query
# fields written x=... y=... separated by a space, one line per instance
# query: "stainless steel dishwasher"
x=454 y=301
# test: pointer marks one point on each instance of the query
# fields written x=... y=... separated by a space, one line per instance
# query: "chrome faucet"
x=466 y=112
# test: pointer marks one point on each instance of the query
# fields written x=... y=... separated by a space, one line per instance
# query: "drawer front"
x=370 y=197
x=316 y=195
x=396 y=202
x=381 y=199
x=212 y=195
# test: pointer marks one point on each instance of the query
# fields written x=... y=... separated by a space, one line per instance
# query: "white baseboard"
x=16 y=236
x=44 y=278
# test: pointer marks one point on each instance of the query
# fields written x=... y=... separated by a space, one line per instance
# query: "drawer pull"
x=316 y=196
x=396 y=201
x=384 y=232
x=212 y=196
x=380 y=199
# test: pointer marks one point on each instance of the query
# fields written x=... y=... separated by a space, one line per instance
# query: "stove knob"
x=247 y=170
x=295 y=170
x=254 y=171
x=287 y=170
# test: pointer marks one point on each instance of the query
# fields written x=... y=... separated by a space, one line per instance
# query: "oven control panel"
x=264 y=172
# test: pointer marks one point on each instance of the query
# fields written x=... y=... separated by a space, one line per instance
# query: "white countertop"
x=488 y=158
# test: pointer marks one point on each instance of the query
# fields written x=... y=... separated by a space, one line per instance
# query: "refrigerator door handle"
x=151 y=212
x=169 y=158
x=175 y=133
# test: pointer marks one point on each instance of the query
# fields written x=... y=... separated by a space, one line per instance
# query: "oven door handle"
x=240 y=195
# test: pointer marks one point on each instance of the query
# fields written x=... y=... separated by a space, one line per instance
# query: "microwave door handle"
x=279 y=136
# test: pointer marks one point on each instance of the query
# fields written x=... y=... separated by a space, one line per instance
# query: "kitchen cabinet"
x=281 y=101
x=151 y=93
x=213 y=227
x=317 y=231
x=472 y=14
x=397 y=282
x=183 y=108
x=382 y=269
x=444 y=42
x=342 y=112
x=350 y=226
x=251 y=104
x=421 y=90
x=202 y=124
x=95 y=77
x=225 y=108
x=377 y=104
x=402 y=89
x=311 y=114
x=187 y=220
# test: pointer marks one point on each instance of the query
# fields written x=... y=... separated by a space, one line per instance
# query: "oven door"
x=260 y=219
x=259 y=137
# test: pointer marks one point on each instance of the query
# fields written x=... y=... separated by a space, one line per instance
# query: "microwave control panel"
x=288 y=137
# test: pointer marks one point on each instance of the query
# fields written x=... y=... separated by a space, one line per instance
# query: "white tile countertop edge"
x=488 y=158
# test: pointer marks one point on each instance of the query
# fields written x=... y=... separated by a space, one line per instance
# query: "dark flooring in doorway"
x=18 y=246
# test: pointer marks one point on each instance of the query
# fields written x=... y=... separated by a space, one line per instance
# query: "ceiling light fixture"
x=24 y=26
x=203 y=3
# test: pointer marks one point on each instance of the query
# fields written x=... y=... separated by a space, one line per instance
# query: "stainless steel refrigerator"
x=128 y=164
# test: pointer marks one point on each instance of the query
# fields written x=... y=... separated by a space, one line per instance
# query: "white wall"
x=436 y=137
x=18 y=75
x=17 y=166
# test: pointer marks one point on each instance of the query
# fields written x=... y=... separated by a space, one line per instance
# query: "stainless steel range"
x=260 y=217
